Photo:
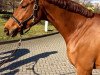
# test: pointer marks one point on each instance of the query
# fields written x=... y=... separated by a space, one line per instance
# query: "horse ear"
x=30 y=1
x=21 y=1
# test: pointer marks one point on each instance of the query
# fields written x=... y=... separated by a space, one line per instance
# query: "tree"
x=8 y=4
x=1 y=1
x=77 y=1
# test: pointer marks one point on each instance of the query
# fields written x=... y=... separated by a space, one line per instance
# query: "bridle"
x=33 y=16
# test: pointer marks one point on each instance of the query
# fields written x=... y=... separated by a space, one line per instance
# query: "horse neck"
x=64 y=21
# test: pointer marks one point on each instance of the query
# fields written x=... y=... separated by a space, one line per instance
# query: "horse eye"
x=24 y=6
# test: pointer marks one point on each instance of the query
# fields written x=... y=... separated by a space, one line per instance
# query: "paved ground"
x=42 y=56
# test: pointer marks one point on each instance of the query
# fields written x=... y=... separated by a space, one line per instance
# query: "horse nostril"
x=5 y=30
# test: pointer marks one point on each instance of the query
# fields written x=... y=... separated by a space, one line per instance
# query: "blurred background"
x=93 y=5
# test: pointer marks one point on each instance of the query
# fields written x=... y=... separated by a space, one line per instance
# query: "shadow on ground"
x=39 y=56
x=15 y=55
x=14 y=66
x=19 y=53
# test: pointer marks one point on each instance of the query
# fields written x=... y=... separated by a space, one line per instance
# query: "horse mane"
x=73 y=7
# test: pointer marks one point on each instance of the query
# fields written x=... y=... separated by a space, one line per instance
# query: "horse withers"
x=79 y=27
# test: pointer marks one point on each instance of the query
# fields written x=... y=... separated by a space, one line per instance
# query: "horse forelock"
x=72 y=6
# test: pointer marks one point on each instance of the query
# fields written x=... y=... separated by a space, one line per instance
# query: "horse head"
x=22 y=17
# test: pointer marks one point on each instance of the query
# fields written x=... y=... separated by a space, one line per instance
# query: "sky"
x=92 y=1
x=95 y=1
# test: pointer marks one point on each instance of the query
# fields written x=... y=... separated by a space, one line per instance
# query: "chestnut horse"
x=79 y=27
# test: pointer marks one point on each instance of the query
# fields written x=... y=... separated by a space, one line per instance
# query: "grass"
x=35 y=31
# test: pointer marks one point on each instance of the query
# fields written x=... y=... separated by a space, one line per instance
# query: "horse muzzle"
x=11 y=33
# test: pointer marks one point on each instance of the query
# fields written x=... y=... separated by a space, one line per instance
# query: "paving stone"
x=42 y=56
